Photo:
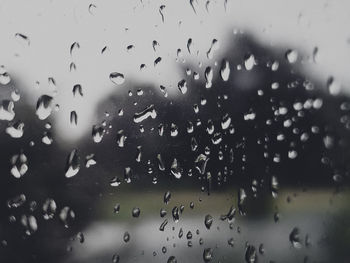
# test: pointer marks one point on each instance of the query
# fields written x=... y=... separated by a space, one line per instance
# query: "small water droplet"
x=72 y=164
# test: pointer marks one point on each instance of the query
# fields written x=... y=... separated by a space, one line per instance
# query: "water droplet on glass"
x=117 y=78
x=121 y=138
x=136 y=212
x=162 y=226
x=225 y=70
x=19 y=165
x=146 y=113
x=16 y=201
x=74 y=47
x=291 y=56
x=7 y=112
x=23 y=38
x=334 y=88
x=162 y=12
x=72 y=164
x=15 y=130
x=175 y=169
x=4 y=76
x=126 y=237
x=207 y=254
x=294 y=238
x=208 y=74
x=49 y=208
x=44 y=107
x=201 y=163
x=182 y=85
x=67 y=216
x=171 y=259
x=208 y=221
x=30 y=224
x=249 y=61
x=251 y=255
x=115 y=258
x=167 y=197
x=74 y=118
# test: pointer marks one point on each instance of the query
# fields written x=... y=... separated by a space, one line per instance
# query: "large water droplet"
x=146 y=113
x=208 y=221
x=117 y=78
x=225 y=70
x=44 y=107
x=19 y=165
x=7 y=112
x=207 y=254
x=251 y=255
x=67 y=216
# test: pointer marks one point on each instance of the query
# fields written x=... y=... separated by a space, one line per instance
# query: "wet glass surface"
x=174 y=131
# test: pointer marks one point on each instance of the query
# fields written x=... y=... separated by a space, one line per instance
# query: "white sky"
x=52 y=26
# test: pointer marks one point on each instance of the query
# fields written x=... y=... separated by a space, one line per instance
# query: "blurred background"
x=185 y=131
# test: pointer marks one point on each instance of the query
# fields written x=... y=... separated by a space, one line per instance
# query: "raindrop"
x=77 y=89
x=192 y=5
x=74 y=118
x=201 y=163
x=136 y=212
x=19 y=165
x=157 y=61
x=214 y=46
x=225 y=70
x=172 y=259
x=182 y=85
x=127 y=174
x=92 y=8
x=249 y=61
x=90 y=160
x=294 y=238
x=16 y=201
x=207 y=254
x=175 y=214
x=146 y=113
x=15 y=130
x=189 y=45
x=73 y=47
x=4 y=76
x=175 y=169
x=162 y=212
x=161 y=12
x=208 y=74
x=7 y=112
x=251 y=255
x=208 y=221
x=72 y=164
x=126 y=237
x=162 y=226
x=49 y=209
x=97 y=133
x=231 y=242
x=81 y=237
x=291 y=56
x=30 y=224
x=44 y=107
x=116 y=209
x=115 y=258
x=67 y=216
x=121 y=138
x=167 y=197
x=334 y=88
x=117 y=78
x=23 y=38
